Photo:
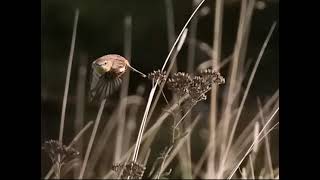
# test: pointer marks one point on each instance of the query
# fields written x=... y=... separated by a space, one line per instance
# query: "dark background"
x=100 y=32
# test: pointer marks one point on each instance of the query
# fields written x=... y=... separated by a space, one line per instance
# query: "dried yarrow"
x=155 y=75
x=131 y=169
x=213 y=76
x=179 y=83
x=195 y=86
x=198 y=88
x=185 y=84
x=56 y=150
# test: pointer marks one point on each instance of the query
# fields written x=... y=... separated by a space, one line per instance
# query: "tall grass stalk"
x=192 y=42
x=242 y=140
x=246 y=93
x=92 y=137
x=155 y=127
x=66 y=90
x=257 y=140
x=267 y=145
x=107 y=131
x=177 y=147
x=170 y=29
x=124 y=90
x=132 y=118
x=80 y=105
x=143 y=123
x=232 y=78
x=80 y=98
x=171 y=38
x=216 y=54
x=238 y=150
x=243 y=137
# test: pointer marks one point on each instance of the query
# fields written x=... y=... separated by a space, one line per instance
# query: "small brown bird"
x=107 y=73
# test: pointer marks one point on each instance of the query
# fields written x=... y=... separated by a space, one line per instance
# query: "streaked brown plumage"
x=107 y=73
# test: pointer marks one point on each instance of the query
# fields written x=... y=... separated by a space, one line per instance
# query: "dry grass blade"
x=179 y=41
x=216 y=54
x=80 y=105
x=124 y=90
x=93 y=135
x=179 y=144
x=183 y=29
x=150 y=131
x=247 y=91
x=107 y=131
x=232 y=79
x=267 y=145
x=66 y=90
x=243 y=136
x=192 y=42
x=170 y=28
x=257 y=140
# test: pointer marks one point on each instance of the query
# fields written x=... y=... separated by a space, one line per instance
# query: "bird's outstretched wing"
x=103 y=86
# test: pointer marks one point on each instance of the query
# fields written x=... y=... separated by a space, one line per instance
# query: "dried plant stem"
x=241 y=137
x=170 y=29
x=233 y=75
x=208 y=63
x=267 y=133
x=177 y=43
x=184 y=154
x=80 y=105
x=192 y=43
x=257 y=140
x=247 y=91
x=151 y=130
x=66 y=90
x=178 y=38
x=124 y=90
x=267 y=145
x=171 y=38
x=177 y=124
x=131 y=123
x=161 y=87
x=216 y=54
x=58 y=170
x=94 y=131
x=251 y=167
x=238 y=150
x=143 y=123
x=144 y=120
x=179 y=144
x=107 y=132
x=75 y=139
x=162 y=163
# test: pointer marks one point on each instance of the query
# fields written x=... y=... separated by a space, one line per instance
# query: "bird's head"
x=102 y=65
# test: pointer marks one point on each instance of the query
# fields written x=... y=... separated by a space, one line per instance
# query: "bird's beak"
x=143 y=75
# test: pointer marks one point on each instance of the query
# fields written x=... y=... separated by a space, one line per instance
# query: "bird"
x=106 y=75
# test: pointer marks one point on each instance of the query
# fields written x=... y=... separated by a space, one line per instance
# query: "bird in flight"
x=106 y=76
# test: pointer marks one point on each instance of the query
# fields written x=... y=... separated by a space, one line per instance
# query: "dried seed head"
x=55 y=149
x=195 y=86
x=179 y=83
x=198 y=88
x=131 y=169
x=155 y=75
x=213 y=76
